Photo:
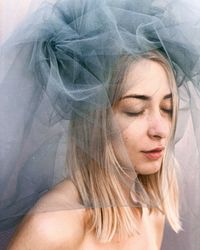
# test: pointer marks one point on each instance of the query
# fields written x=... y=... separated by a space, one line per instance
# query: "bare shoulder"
x=56 y=222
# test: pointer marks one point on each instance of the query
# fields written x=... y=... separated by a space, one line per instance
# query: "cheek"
x=133 y=136
x=126 y=144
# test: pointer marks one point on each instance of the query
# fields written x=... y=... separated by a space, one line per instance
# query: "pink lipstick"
x=154 y=154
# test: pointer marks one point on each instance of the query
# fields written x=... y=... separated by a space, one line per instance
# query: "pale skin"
x=63 y=226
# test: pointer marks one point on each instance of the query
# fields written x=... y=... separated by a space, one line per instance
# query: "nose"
x=159 y=126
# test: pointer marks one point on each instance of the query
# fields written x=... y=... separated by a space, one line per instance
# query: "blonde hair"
x=99 y=177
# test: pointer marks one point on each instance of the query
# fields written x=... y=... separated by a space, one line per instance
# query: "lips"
x=154 y=154
x=158 y=149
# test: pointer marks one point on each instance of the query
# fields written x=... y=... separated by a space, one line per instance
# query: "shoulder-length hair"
x=96 y=173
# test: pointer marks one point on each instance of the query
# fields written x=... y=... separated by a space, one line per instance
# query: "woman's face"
x=144 y=117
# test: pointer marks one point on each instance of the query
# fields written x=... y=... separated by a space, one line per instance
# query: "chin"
x=148 y=168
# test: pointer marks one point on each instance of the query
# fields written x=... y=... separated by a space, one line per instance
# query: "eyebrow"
x=145 y=97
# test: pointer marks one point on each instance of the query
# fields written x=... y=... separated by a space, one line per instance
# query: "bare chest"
x=148 y=239
x=139 y=243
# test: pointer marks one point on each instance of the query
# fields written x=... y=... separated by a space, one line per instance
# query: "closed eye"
x=134 y=113
x=168 y=111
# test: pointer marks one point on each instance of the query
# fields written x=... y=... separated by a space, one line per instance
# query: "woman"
x=143 y=115
x=114 y=80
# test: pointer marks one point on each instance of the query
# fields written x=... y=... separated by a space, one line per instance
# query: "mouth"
x=154 y=154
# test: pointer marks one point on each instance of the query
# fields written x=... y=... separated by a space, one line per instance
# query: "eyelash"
x=168 y=111
x=134 y=114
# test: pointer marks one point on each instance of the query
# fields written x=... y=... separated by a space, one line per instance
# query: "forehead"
x=146 y=77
